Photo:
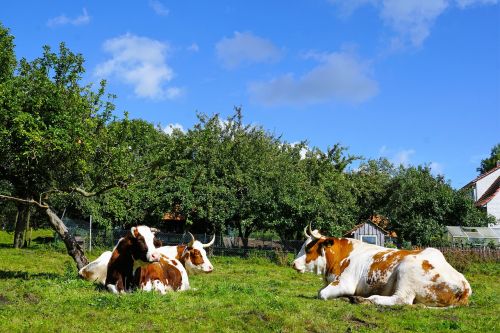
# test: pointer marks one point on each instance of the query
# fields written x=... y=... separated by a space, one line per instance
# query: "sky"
x=415 y=81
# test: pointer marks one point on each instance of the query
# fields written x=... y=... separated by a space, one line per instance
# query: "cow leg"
x=334 y=290
x=390 y=300
x=112 y=288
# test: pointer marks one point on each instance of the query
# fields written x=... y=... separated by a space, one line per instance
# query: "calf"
x=134 y=250
x=384 y=276
x=165 y=275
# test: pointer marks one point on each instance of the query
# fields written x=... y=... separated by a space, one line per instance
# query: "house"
x=485 y=191
x=475 y=235
x=368 y=232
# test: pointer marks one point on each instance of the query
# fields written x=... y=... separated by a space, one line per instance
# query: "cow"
x=132 y=251
x=193 y=255
x=162 y=276
x=381 y=275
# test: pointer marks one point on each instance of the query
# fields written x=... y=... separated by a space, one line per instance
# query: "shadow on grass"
x=26 y=276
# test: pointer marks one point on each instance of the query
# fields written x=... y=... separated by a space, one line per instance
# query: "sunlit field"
x=40 y=292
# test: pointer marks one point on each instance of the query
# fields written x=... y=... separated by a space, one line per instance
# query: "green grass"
x=39 y=292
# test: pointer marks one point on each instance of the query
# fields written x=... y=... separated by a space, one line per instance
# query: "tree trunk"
x=22 y=219
x=73 y=248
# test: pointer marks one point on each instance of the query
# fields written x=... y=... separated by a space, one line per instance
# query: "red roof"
x=482 y=176
x=489 y=193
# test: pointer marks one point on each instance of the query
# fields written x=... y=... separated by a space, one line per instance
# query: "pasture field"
x=40 y=292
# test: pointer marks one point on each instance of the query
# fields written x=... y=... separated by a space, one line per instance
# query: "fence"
x=233 y=246
x=223 y=245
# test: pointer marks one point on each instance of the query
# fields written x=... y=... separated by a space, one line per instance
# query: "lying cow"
x=384 y=276
x=132 y=251
x=192 y=256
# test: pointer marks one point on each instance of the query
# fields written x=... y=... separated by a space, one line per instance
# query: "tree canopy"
x=65 y=147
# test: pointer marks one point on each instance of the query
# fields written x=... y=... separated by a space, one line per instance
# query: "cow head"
x=142 y=244
x=195 y=257
x=311 y=257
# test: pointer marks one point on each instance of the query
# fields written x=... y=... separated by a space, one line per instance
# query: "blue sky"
x=416 y=81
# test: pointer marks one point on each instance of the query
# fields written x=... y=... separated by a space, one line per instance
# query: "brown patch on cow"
x=441 y=294
x=174 y=263
x=383 y=264
x=180 y=251
x=337 y=255
x=196 y=257
x=435 y=278
x=313 y=250
x=427 y=266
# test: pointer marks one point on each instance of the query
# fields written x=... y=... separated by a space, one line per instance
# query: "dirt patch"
x=358 y=322
x=4 y=300
x=31 y=298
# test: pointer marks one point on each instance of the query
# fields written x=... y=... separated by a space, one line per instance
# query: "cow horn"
x=191 y=242
x=305 y=232
x=209 y=243
x=314 y=234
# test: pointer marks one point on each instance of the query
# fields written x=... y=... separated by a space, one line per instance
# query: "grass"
x=39 y=292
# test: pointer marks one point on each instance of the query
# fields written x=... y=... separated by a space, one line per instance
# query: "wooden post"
x=90 y=234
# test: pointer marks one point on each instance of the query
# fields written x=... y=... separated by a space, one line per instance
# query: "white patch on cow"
x=152 y=255
x=96 y=270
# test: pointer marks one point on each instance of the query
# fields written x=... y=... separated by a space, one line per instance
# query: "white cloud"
x=169 y=129
x=158 y=7
x=338 y=76
x=467 y=3
x=436 y=168
x=245 y=48
x=412 y=20
x=140 y=62
x=403 y=157
x=193 y=47
x=64 y=20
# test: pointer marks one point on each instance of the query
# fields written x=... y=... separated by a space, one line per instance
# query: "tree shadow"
x=26 y=276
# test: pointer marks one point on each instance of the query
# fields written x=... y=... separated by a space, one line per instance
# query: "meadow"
x=40 y=292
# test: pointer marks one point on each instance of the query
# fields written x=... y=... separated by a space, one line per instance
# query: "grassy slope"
x=39 y=292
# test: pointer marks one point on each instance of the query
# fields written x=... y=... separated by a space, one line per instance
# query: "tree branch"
x=30 y=201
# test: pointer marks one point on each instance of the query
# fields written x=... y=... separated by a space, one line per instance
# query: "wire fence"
x=223 y=245
x=260 y=247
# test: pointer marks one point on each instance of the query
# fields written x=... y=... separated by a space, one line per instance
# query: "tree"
x=50 y=130
x=489 y=163
x=371 y=183
x=419 y=206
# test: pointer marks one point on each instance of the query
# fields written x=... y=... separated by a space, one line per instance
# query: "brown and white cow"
x=193 y=255
x=165 y=275
x=381 y=275
x=132 y=251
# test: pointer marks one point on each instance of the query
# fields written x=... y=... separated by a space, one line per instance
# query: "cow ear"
x=328 y=242
x=134 y=231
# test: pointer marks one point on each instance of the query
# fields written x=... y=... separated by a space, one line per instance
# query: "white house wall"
x=484 y=183
x=493 y=207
